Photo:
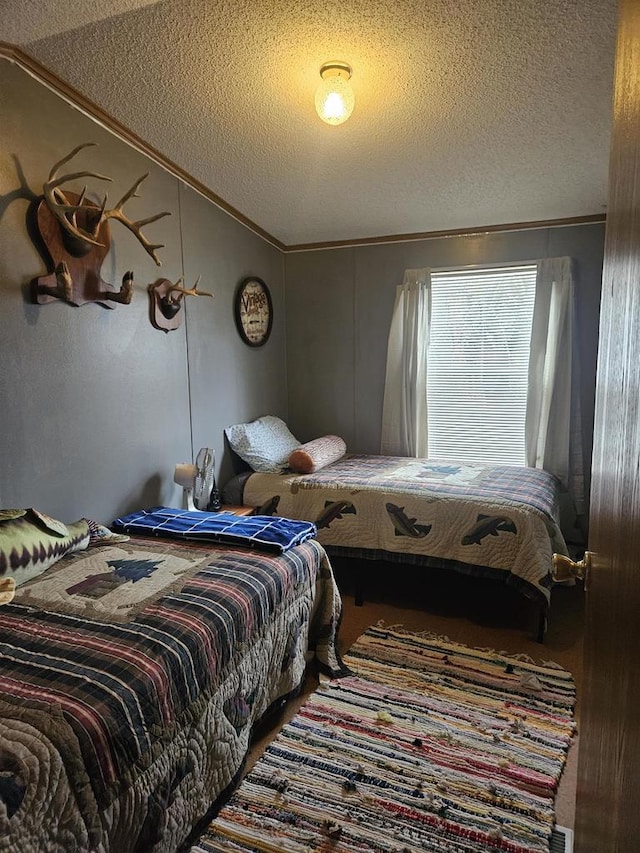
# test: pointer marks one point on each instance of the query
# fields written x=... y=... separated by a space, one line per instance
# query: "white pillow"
x=265 y=444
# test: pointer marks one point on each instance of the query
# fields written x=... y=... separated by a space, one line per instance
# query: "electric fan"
x=199 y=482
x=205 y=492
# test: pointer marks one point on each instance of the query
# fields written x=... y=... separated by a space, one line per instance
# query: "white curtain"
x=553 y=429
x=404 y=413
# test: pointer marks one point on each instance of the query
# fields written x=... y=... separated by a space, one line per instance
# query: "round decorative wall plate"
x=253 y=311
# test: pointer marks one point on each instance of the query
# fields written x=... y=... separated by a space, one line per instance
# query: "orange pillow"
x=317 y=454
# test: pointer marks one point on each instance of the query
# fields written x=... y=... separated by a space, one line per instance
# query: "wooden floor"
x=468 y=610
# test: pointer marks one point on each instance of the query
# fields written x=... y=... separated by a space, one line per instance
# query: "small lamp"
x=184 y=475
x=334 y=96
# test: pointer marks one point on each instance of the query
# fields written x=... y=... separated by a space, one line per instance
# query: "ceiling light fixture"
x=334 y=96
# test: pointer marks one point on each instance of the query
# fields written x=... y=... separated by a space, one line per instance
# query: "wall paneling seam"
x=186 y=322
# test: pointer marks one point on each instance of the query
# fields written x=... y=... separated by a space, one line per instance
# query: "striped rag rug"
x=429 y=745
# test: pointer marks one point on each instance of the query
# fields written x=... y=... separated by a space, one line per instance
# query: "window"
x=478 y=362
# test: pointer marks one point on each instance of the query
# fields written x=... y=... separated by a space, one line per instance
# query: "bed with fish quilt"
x=500 y=522
x=131 y=677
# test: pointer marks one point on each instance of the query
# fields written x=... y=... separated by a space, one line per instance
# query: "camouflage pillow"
x=31 y=541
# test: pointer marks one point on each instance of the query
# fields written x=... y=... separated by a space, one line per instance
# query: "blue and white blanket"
x=261 y=532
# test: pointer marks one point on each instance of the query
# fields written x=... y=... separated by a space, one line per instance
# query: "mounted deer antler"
x=166 y=301
x=135 y=226
x=183 y=292
x=169 y=304
x=66 y=211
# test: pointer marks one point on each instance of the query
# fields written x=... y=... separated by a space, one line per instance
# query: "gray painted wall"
x=339 y=307
x=97 y=406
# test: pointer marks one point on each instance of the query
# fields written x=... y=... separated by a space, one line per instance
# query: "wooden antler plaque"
x=75 y=239
x=84 y=270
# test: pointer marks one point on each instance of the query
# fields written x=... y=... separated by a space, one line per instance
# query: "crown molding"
x=473 y=231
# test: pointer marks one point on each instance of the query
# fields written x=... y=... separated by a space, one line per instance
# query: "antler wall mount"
x=166 y=301
x=76 y=238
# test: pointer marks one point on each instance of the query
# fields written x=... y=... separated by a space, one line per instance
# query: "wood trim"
x=31 y=66
x=591 y=219
x=69 y=93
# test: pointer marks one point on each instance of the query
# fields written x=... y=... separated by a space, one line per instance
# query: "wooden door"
x=608 y=799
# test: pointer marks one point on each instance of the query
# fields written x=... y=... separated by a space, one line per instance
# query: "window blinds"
x=478 y=363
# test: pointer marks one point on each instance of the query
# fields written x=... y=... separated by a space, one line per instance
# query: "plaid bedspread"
x=263 y=533
x=500 y=521
x=117 y=736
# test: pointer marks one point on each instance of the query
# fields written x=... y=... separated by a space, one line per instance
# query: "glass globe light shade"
x=334 y=96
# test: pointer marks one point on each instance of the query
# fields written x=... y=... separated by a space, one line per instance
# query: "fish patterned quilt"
x=117 y=735
x=498 y=521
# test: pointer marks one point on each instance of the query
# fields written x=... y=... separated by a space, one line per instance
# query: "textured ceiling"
x=27 y=20
x=468 y=113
